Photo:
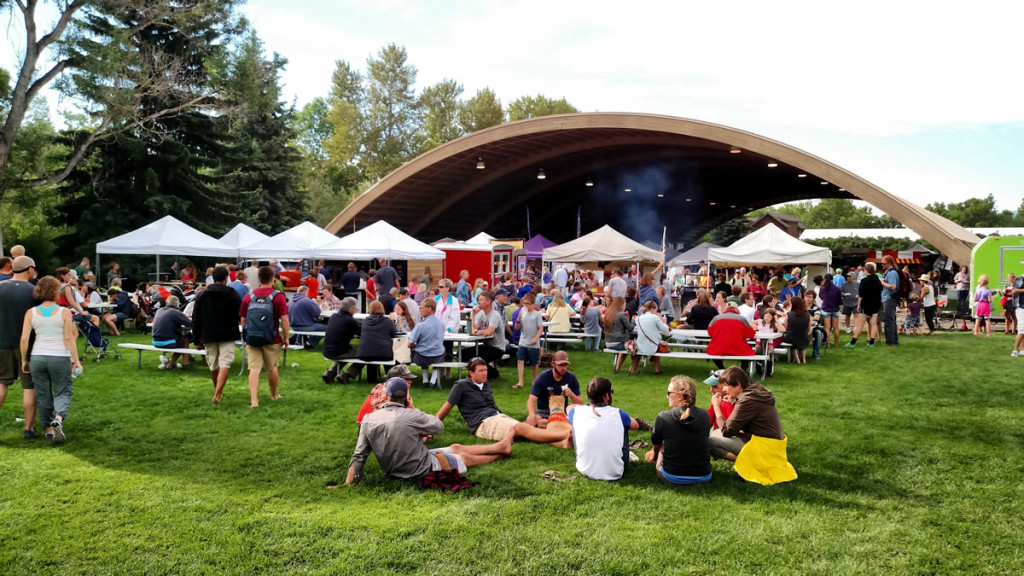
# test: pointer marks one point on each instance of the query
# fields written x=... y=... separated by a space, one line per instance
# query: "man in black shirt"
x=15 y=300
x=341 y=329
x=869 y=302
x=350 y=281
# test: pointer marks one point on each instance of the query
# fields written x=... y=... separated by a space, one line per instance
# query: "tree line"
x=174 y=107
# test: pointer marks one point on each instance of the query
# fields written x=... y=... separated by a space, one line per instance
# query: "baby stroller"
x=95 y=343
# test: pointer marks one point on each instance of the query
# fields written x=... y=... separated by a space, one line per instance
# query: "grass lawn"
x=909 y=458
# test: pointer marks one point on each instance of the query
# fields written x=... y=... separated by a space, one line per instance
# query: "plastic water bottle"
x=76 y=372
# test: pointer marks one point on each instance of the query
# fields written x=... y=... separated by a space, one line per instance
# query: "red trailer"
x=487 y=261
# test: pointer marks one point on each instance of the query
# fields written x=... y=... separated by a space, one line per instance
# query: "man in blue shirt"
x=239 y=284
x=890 y=284
x=427 y=337
x=303 y=314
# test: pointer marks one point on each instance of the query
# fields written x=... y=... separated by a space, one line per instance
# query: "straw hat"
x=925 y=278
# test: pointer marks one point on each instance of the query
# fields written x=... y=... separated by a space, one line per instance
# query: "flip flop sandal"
x=514 y=386
x=638 y=444
x=549 y=474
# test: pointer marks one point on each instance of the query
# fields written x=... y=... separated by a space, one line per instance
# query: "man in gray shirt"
x=617 y=284
x=488 y=322
x=395 y=433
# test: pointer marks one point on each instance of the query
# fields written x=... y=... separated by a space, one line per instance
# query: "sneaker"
x=163 y=361
x=643 y=425
x=31 y=434
x=871 y=345
x=58 y=432
x=851 y=345
x=1012 y=355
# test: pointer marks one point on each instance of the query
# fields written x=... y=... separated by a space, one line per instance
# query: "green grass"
x=910 y=461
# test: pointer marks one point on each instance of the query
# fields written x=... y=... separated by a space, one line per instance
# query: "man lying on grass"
x=475 y=401
x=395 y=434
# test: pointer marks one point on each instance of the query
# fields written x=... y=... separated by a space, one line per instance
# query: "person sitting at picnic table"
x=328 y=301
x=618 y=329
x=70 y=298
x=680 y=449
x=793 y=289
x=475 y=400
x=701 y=312
x=649 y=328
x=395 y=435
x=560 y=314
x=427 y=337
x=303 y=314
x=167 y=333
x=490 y=323
x=752 y=436
x=375 y=338
x=402 y=316
x=341 y=329
x=729 y=332
x=122 y=309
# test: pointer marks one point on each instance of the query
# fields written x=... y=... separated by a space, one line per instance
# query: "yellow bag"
x=763 y=460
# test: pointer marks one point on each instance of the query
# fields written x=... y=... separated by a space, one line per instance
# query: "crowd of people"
x=629 y=310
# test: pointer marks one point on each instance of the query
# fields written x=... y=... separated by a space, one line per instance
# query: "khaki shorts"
x=10 y=369
x=496 y=427
x=219 y=354
x=260 y=357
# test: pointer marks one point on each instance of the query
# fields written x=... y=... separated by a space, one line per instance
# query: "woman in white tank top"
x=53 y=357
x=928 y=301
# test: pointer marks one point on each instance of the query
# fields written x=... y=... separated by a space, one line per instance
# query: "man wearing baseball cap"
x=556 y=380
x=15 y=300
x=395 y=435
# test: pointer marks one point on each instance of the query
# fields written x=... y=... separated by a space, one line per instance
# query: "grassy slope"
x=909 y=462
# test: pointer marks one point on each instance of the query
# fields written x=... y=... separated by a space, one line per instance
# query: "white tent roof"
x=382 y=240
x=604 y=244
x=461 y=245
x=694 y=255
x=769 y=245
x=481 y=238
x=167 y=236
x=241 y=236
x=307 y=240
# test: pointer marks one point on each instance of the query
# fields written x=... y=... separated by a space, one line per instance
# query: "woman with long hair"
x=404 y=321
x=618 y=329
x=798 y=329
x=701 y=312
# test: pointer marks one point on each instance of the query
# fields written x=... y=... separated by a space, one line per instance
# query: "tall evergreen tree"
x=261 y=166
x=392 y=117
x=165 y=164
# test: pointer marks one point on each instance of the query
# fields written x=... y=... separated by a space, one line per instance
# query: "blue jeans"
x=889 y=321
x=591 y=343
x=311 y=341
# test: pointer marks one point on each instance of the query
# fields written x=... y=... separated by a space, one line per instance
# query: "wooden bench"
x=432 y=376
x=150 y=347
x=754 y=359
x=302 y=334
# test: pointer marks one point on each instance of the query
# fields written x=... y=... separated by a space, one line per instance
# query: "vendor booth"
x=167 y=236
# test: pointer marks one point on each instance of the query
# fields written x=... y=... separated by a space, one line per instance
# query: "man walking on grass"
x=215 y=326
x=890 y=284
x=395 y=433
x=264 y=317
x=15 y=300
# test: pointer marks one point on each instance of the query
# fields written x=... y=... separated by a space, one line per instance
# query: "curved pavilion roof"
x=702 y=182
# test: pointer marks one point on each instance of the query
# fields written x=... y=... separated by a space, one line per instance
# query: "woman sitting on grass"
x=681 y=452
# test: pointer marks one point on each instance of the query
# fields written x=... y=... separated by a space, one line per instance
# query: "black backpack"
x=259 y=320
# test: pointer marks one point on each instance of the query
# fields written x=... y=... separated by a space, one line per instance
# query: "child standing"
x=529 y=326
x=913 y=321
x=591 y=325
x=983 y=299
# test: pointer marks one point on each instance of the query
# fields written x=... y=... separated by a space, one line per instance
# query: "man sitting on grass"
x=600 y=433
x=475 y=401
x=395 y=432
x=557 y=381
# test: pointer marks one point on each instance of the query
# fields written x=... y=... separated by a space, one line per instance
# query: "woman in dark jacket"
x=632 y=302
x=375 y=338
x=798 y=329
x=702 y=312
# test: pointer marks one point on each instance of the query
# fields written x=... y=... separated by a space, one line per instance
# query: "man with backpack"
x=264 y=316
x=215 y=326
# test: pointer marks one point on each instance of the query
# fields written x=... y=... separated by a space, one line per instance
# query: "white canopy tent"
x=693 y=256
x=306 y=240
x=241 y=236
x=167 y=236
x=382 y=240
x=602 y=245
x=769 y=245
x=482 y=238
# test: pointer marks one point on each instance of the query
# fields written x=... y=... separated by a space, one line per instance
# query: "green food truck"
x=996 y=256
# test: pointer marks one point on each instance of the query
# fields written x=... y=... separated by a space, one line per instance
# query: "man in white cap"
x=15 y=300
x=395 y=432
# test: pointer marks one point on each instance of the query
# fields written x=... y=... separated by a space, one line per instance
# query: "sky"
x=920 y=98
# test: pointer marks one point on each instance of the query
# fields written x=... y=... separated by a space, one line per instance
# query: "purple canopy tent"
x=535 y=246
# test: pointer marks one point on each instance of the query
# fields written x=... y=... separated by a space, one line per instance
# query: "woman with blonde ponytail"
x=680 y=437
